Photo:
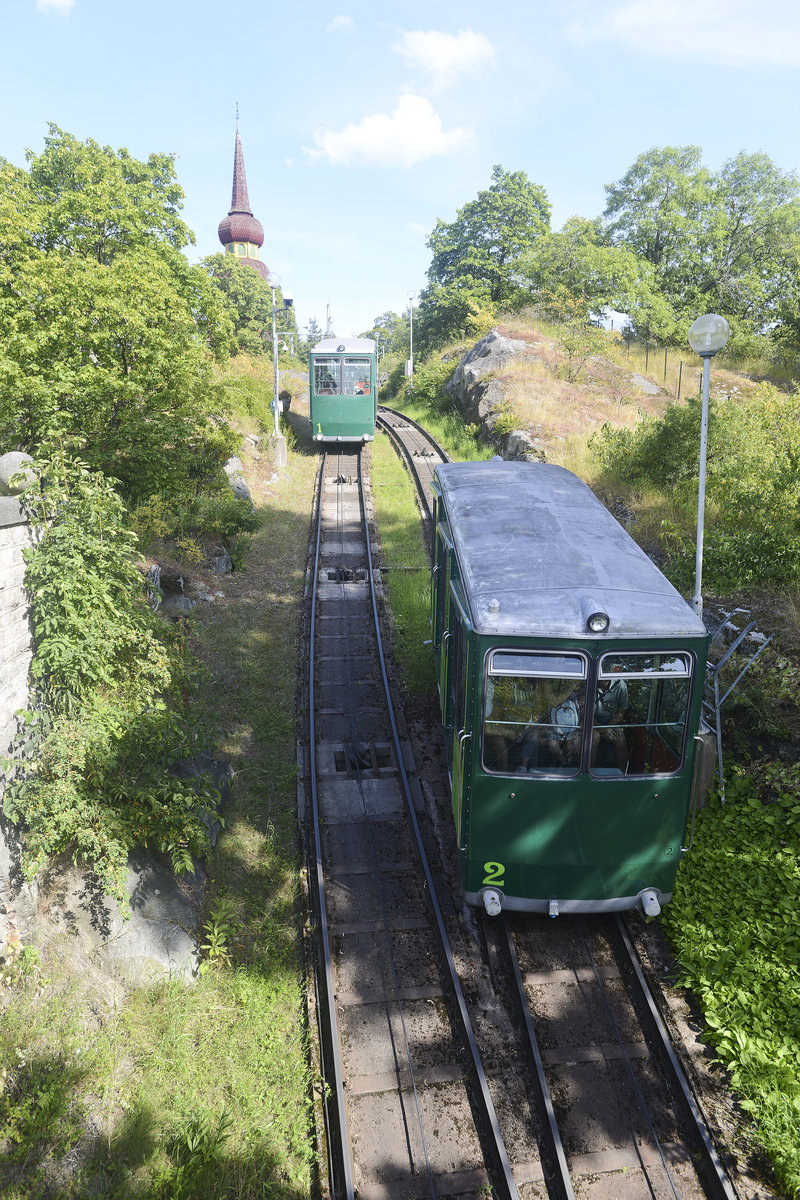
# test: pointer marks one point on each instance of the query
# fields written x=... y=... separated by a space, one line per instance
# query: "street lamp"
x=707 y=336
x=274 y=282
x=410 y=370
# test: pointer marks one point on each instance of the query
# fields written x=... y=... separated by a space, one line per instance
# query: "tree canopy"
x=248 y=302
x=106 y=331
x=725 y=242
x=676 y=240
x=488 y=235
x=474 y=258
x=391 y=333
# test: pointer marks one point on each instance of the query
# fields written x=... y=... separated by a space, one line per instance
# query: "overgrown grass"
x=201 y=1090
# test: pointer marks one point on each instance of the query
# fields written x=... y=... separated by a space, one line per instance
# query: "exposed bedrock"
x=481 y=395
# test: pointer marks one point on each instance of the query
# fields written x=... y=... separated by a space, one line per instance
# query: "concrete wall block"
x=12 y=514
x=14 y=611
x=14 y=673
x=15 y=640
x=15 y=535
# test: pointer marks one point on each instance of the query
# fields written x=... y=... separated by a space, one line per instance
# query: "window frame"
x=544 y=773
x=654 y=702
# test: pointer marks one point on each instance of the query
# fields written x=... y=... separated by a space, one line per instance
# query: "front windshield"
x=356 y=377
x=639 y=717
x=327 y=376
x=533 y=713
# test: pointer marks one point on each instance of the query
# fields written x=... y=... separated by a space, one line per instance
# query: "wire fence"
x=678 y=377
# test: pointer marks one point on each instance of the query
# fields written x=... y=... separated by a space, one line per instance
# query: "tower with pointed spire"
x=240 y=233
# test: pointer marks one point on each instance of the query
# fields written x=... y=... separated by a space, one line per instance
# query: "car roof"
x=538 y=554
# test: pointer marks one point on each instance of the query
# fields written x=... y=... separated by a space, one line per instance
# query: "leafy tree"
x=313 y=334
x=726 y=242
x=391 y=333
x=248 y=302
x=105 y=329
x=97 y=749
x=574 y=274
x=451 y=312
x=754 y=240
x=480 y=248
x=657 y=206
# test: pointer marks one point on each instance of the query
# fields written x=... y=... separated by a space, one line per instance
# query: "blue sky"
x=362 y=125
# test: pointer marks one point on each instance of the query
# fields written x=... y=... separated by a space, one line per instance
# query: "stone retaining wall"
x=16 y=643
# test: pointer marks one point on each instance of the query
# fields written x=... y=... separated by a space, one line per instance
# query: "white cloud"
x=411 y=134
x=724 y=32
x=341 y=22
x=59 y=6
x=446 y=56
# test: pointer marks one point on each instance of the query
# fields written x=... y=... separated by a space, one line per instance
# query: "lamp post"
x=274 y=282
x=707 y=336
x=410 y=371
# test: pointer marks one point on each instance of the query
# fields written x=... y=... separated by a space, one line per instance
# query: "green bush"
x=218 y=517
x=428 y=385
x=753 y=503
x=93 y=759
x=733 y=926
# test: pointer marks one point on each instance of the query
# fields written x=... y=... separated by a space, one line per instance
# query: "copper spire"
x=240 y=201
x=240 y=226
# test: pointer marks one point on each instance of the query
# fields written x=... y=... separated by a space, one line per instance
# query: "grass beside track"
x=406 y=571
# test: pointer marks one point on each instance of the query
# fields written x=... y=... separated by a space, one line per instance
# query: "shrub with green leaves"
x=213 y=516
x=428 y=384
x=752 y=498
x=108 y=678
x=733 y=926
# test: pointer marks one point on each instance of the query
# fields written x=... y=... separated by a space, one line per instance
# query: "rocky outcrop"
x=481 y=395
x=153 y=940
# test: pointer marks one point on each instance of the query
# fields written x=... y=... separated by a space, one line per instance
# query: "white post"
x=411 y=336
x=707 y=336
x=697 y=600
x=279 y=441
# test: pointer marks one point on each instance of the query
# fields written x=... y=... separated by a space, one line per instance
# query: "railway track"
x=582 y=1094
x=418 y=449
x=618 y=1116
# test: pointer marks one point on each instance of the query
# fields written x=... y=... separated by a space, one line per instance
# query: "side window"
x=458 y=675
x=639 y=713
x=440 y=582
x=533 y=709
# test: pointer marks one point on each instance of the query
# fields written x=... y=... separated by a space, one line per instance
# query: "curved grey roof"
x=349 y=345
x=539 y=553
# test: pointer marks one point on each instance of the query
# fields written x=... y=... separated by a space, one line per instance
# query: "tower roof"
x=240 y=225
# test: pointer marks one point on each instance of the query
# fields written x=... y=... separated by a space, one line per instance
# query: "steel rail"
x=440 y=450
x=715 y=1179
x=406 y=454
x=329 y=1034
x=507 y=1187
x=559 y=1185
